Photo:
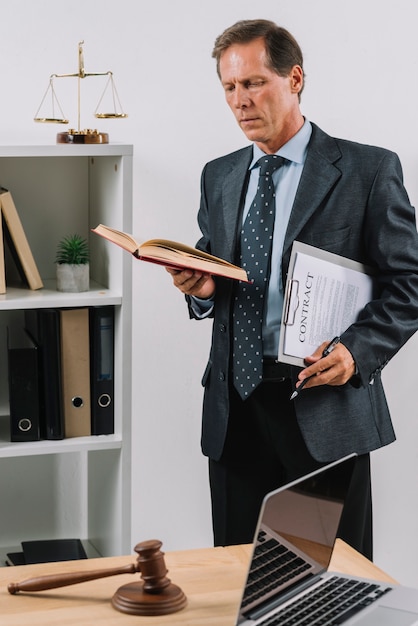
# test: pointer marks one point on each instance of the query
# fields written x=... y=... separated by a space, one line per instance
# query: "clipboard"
x=324 y=295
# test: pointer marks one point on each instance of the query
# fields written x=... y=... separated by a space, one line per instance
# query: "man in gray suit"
x=337 y=195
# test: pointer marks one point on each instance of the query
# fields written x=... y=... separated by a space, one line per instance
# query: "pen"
x=330 y=347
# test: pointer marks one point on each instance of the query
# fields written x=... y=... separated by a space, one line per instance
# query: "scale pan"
x=103 y=116
x=51 y=120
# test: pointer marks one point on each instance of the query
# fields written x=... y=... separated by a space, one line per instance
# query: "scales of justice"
x=57 y=116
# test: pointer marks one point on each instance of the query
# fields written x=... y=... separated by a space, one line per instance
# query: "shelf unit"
x=75 y=487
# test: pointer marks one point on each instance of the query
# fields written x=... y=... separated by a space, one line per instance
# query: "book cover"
x=2 y=265
x=24 y=393
x=17 y=242
x=102 y=369
x=44 y=327
x=75 y=369
x=172 y=254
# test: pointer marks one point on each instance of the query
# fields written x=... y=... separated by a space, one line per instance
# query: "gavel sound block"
x=155 y=594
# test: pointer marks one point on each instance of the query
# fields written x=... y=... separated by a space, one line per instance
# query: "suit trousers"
x=264 y=450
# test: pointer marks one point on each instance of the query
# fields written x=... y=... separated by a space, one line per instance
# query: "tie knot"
x=269 y=163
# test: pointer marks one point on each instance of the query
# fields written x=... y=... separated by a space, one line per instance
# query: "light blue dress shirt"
x=286 y=180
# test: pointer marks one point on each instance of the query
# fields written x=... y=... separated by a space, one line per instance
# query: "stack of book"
x=61 y=370
x=13 y=234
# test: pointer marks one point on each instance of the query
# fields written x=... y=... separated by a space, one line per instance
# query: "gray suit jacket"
x=350 y=201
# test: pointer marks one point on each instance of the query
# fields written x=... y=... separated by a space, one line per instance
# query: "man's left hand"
x=335 y=369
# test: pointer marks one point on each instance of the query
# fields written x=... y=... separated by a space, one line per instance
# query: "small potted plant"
x=72 y=263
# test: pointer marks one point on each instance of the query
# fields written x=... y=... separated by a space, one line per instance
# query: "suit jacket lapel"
x=318 y=177
x=232 y=194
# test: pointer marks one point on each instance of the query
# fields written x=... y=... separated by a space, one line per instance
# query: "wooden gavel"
x=154 y=595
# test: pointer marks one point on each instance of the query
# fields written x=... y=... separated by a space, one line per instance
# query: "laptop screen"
x=296 y=531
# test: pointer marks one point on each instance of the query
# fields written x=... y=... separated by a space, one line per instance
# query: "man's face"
x=265 y=105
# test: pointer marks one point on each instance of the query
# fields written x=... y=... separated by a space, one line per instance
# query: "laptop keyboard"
x=330 y=604
x=273 y=564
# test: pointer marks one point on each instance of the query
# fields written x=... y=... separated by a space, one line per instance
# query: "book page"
x=324 y=295
x=167 y=249
x=124 y=240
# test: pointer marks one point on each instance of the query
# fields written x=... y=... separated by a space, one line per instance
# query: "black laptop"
x=288 y=582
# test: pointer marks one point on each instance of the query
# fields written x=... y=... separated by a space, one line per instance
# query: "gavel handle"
x=53 y=581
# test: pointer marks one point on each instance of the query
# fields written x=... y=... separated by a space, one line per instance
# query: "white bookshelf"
x=75 y=487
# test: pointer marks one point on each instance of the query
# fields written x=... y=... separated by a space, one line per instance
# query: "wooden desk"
x=211 y=578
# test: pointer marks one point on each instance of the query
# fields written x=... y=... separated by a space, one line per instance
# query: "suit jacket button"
x=222 y=328
x=221 y=376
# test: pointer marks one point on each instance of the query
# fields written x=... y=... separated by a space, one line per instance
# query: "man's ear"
x=296 y=78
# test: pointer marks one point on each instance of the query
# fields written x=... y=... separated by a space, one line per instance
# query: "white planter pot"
x=73 y=278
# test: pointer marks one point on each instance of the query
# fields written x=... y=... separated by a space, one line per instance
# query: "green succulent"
x=74 y=250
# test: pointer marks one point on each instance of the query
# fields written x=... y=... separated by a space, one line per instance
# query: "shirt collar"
x=294 y=150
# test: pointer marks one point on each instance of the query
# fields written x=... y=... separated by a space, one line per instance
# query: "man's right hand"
x=193 y=283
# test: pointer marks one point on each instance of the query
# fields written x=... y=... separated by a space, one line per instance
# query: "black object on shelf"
x=48 y=551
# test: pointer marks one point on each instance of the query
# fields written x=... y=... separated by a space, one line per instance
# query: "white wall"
x=361 y=61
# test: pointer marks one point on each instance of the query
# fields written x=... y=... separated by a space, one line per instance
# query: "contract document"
x=324 y=295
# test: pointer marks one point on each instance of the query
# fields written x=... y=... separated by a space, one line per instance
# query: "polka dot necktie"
x=256 y=239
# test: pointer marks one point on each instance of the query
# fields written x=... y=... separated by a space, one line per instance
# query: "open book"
x=172 y=254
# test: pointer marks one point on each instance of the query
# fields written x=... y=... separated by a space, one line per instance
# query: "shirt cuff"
x=200 y=307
